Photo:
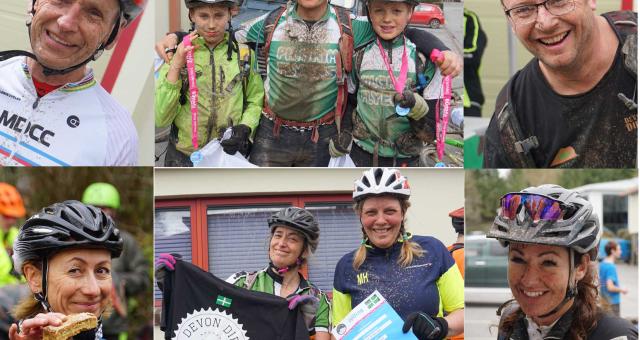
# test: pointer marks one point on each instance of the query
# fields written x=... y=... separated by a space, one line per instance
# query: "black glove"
x=426 y=327
x=406 y=99
x=239 y=140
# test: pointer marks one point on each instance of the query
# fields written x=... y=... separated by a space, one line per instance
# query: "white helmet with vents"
x=381 y=181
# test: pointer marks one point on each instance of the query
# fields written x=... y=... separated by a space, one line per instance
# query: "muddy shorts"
x=292 y=147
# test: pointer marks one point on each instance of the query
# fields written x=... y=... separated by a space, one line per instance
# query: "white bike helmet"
x=381 y=181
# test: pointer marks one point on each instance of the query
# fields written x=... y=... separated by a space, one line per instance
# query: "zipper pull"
x=35 y=104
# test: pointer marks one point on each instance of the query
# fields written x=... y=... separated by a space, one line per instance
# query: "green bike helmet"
x=101 y=195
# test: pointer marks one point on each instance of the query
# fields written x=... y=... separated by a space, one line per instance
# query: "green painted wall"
x=495 y=63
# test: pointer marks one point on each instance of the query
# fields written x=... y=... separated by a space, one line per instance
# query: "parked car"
x=485 y=262
x=427 y=14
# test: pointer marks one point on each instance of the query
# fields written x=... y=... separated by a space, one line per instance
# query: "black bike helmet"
x=70 y=224
x=577 y=227
x=300 y=220
x=196 y=3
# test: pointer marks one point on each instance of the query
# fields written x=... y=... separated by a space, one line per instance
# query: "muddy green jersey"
x=301 y=68
x=266 y=282
x=375 y=90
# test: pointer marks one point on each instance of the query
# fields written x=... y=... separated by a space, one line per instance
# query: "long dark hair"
x=587 y=307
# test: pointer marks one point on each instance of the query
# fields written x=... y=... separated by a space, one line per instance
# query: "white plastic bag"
x=214 y=156
x=341 y=162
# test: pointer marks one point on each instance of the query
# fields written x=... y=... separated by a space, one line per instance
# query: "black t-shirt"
x=589 y=130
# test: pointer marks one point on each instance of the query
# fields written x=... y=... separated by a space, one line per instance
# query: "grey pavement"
x=481 y=320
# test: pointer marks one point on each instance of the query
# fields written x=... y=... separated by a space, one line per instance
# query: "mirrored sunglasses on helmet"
x=539 y=207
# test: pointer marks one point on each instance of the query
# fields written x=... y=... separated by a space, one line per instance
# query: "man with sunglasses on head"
x=574 y=104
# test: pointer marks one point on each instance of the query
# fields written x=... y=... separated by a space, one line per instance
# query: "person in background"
x=475 y=41
x=457 y=248
x=130 y=272
x=11 y=209
x=609 y=283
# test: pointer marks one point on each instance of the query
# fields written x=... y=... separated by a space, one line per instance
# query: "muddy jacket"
x=431 y=283
x=267 y=282
x=220 y=97
x=376 y=119
x=78 y=124
x=608 y=327
x=301 y=75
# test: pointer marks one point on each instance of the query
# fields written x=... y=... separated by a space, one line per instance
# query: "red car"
x=427 y=14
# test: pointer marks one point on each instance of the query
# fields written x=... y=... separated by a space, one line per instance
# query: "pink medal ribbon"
x=441 y=125
x=193 y=92
x=399 y=83
x=196 y=156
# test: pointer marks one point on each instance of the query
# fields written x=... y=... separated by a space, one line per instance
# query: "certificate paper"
x=372 y=319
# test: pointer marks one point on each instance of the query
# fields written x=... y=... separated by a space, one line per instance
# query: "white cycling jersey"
x=78 y=124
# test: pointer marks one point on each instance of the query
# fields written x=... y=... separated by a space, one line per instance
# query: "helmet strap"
x=42 y=296
x=282 y=270
x=572 y=290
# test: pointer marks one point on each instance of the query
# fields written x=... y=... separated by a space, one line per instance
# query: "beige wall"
x=134 y=86
x=495 y=62
x=434 y=193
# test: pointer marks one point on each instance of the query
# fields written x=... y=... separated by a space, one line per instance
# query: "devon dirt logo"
x=208 y=324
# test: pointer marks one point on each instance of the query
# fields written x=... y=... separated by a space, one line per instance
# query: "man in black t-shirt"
x=574 y=104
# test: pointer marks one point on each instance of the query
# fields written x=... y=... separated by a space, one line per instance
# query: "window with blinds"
x=339 y=234
x=238 y=238
x=172 y=234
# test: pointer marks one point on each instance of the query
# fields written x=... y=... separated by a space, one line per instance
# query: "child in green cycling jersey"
x=390 y=122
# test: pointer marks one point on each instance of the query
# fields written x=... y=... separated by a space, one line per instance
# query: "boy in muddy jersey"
x=390 y=122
